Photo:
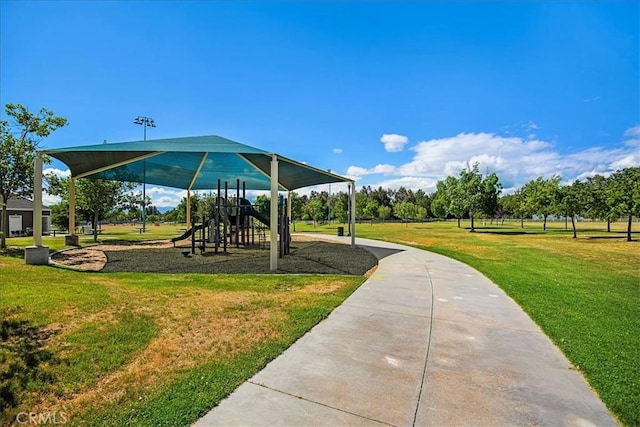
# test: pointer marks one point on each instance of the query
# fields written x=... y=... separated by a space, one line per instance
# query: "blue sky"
x=390 y=93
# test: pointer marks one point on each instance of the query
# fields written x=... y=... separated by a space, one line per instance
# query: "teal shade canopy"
x=193 y=163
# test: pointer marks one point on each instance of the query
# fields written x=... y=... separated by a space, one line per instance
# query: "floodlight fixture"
x=144 y=121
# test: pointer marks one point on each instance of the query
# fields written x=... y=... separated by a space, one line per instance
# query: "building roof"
x=193 y=163
x=21 y=204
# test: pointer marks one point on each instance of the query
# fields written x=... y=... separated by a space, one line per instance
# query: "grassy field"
x=132 y=348
x=143 y=348
x=584 y=292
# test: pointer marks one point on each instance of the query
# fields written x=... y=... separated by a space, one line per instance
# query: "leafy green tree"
x=181 y=209
x=571 y=202
x=371 y=210
x=403 y=194
x=423 y=199
x=439 y=202
x=406 y=211
x=384 y=212
x=315 y=210
x=95 y=198
x=596 y=199
x=340 y=207
x=624 y=194
x=515 y=205
x=421 y=212
x=382 y=196
x=263 y=204
x=60 y=214
x=542 y=195
x=19 y=142
x=362 y=199
x=171 y=215
x=478 y=195
x=296 y=206
x=206 y=207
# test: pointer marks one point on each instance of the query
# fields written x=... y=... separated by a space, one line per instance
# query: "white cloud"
x=377 y=169
x=515 y=160
x=337 y=151
x=164 y=197
x=356 y=171
x=57 y=172
x=633 y=132
x=49 y=200
x=591 y=99
x=394 y=142
x=633 y=138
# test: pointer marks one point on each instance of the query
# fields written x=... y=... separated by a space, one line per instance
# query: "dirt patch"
x=308 y=256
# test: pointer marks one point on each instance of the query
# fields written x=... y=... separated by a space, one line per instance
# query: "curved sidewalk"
x=426 y=340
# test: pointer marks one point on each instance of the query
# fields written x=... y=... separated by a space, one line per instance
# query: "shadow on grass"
x=507 y=233
x=25 y=359
x=622 y=237
x=12 y=252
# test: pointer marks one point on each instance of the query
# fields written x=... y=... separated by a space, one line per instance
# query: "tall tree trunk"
x=544 y=223
x=629 y=228
x=458 y=222
x=473 y=228
x=573 y=224
x=5 y=226
x=522 y=221
x=95 y=226
x=566 y=221
x=608 y=225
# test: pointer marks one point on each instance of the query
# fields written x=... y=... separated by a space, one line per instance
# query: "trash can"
x=340 y=231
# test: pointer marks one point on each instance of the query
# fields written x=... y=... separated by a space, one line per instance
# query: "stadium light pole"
x=144 y=121
x=329 y=199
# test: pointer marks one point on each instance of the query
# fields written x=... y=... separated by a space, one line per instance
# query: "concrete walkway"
x=426 y=341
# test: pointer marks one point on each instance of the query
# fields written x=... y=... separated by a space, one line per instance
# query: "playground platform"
x=426 y=340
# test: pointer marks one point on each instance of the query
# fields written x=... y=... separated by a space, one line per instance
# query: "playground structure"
x=191 y=163
x=233 y=221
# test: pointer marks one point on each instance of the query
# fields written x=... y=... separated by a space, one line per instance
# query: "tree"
x=19 y=142
x=296 y=208
x=515 y=204
x=624 y=194
x=478 y=195
x=596 y=199
x=384 y=212
x=404 y=195
x=315 y=210
x=340 y=207
x=439 y=202
x=263 y=204
x=370 y=210
x=181 y=209
x=470 y=187
x=406 y=210
x=361 y=201
x=95 y=198
x=382 y=196
x=541 y=196
x=571 y=202
x=60 y=214
x=423 y=199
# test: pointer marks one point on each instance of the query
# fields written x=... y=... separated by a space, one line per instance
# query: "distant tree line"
x=469 y=195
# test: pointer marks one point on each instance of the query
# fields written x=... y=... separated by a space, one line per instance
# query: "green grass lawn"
x=142 y=348
x=162 y=349
x=584 y=293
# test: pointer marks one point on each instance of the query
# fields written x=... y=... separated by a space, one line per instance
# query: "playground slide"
x=188 y=233
x=262 y=218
